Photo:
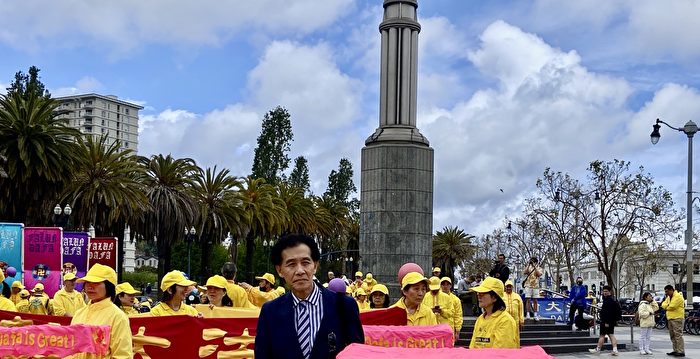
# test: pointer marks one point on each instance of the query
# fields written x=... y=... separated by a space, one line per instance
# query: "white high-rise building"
x=103 y=115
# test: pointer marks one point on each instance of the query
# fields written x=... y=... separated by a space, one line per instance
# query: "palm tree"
x=39 y=149
x=300 y=209
x=217 y=195
x=265 y=215
x=167 y=185
x=451 y=247
x=106 y=185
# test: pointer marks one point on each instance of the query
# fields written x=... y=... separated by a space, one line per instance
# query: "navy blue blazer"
x=276 y=335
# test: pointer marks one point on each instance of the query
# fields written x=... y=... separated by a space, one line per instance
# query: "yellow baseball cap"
x=216 y=281
x=509 y=283
x=413 y=278
x=126 y=288
x=368 y=278
x=348 y=290
x=99 y=273
x=360 y=292
x=268 y=277
x=490 y=284
x=69 y=276
x=175 y=277
x=380 y=288
x=17 y=284
x=38 y=287
x=434 y=283
x=437 y=269
x=358 y=274
x=24 y=293
x=445 y=279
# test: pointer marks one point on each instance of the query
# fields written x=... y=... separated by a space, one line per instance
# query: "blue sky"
x=506 y=88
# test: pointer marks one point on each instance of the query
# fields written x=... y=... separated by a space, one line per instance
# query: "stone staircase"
x=553 y=338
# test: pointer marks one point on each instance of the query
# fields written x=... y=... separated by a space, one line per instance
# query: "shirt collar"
x=313 y=298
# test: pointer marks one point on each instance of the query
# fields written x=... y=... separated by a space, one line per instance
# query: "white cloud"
x=86 y=84
x=666 y=33
x=131 y=23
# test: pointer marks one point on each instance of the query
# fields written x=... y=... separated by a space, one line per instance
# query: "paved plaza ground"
x=660 y=345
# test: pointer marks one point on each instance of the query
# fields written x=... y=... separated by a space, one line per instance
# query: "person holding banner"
x=125 y=298
x=495 y=328
x=216 y=292
x=174 y=285
x=100 y=287
x=5 y=303
x=413 y=288
x=67 y=301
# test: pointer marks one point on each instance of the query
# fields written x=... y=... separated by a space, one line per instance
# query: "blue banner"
x=555 y=308
x=11 y=235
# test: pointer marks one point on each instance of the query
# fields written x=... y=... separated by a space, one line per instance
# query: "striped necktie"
x=304 y=328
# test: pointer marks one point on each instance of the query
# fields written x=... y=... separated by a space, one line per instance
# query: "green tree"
x=300 y=210
x=167 y=184
x=29 y=84
x=300 y=174
x=451 y=247
x=39 y=152
x=274 y=142
x=341 y=185
x=216 y=194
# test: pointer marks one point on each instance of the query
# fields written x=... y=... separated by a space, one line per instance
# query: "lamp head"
x=655 y=134
x=57 y=209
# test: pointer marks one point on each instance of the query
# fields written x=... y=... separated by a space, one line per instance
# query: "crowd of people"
x=294 y=316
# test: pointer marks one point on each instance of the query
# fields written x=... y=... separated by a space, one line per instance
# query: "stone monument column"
x=396 y=189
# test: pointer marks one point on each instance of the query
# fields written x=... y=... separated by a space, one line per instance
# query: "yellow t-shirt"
x=163 y=309
x=105 y=312
x=362 y=305
x=238 y=296
x=258 y=297
x=499 y=330
x=422 y=316
x=15 y=298
x=41 y=305
x=674 y=306
x=514 y=306
x=443 y=300
x=457 y=318
x=66 y=304
x=129 y=310
x=6 y=304
x=22 y=306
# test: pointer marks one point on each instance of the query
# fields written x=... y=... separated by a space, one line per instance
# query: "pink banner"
x=42 y=258
x=433 y=336
x=362 y=351
x=61 y=341
x=103 y=250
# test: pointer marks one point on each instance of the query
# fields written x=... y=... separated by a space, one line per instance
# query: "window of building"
x=104 y=130
x=104 y=113
x=676 y=268
x=103 y=122
x=653 y=287
x=88 y=129
x=88 y=102
x=117 y=125
x=696 y=269
x=126 y=111
x=126 y=144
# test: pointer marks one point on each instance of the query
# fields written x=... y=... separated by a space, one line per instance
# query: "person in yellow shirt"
x=100 y=287
x=126 y=294
x=495 y=328
x=216 y=292
x=457 y=318
x=361 y=299
x=515 y=306
x=674 y=305
x=16 y=288
x=379 y=297
x=370 y=282
x=439 y=302
x=67 y=301
x=23 y=303
x=413 y=288
x=39 y=302
x=5 y=303
x=592 y=297
x=174 y=285
x=357 y=284
x=264 y=292
x=238 y=295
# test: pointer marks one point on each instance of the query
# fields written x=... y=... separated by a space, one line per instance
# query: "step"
x=530 y=327
x=577 y=348
x=540 y=334
x=471 y=320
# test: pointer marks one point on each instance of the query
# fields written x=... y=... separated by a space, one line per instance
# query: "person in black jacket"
x=610 y=313
x=500 y=270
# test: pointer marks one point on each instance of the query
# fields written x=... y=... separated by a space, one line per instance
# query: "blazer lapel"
x=288 y=334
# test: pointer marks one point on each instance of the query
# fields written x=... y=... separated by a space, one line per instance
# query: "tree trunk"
x=249 y=249
x=205 y=259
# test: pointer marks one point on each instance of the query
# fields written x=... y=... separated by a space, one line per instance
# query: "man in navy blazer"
x=333 y=319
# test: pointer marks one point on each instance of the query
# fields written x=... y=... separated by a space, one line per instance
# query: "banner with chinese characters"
x=555 y=308
x=42 y=258
x=103 y=250
x=75 y=256
x=11 y=248
x=362 y=351
x=61 y=341
x=429 y=336
x=206 y=338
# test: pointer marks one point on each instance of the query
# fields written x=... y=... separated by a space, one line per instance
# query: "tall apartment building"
x=103 y=115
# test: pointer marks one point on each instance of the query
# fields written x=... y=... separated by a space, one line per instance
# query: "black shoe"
x=679 y=354
x=672 y=354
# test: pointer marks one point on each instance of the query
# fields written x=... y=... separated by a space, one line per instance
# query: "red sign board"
x=103 y=250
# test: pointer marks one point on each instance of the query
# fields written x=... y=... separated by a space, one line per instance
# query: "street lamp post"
x=189 y=235
x=60 y=215
x=689 y=129
x=266 y=246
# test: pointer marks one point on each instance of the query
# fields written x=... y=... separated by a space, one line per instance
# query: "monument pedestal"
x=396 y=220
